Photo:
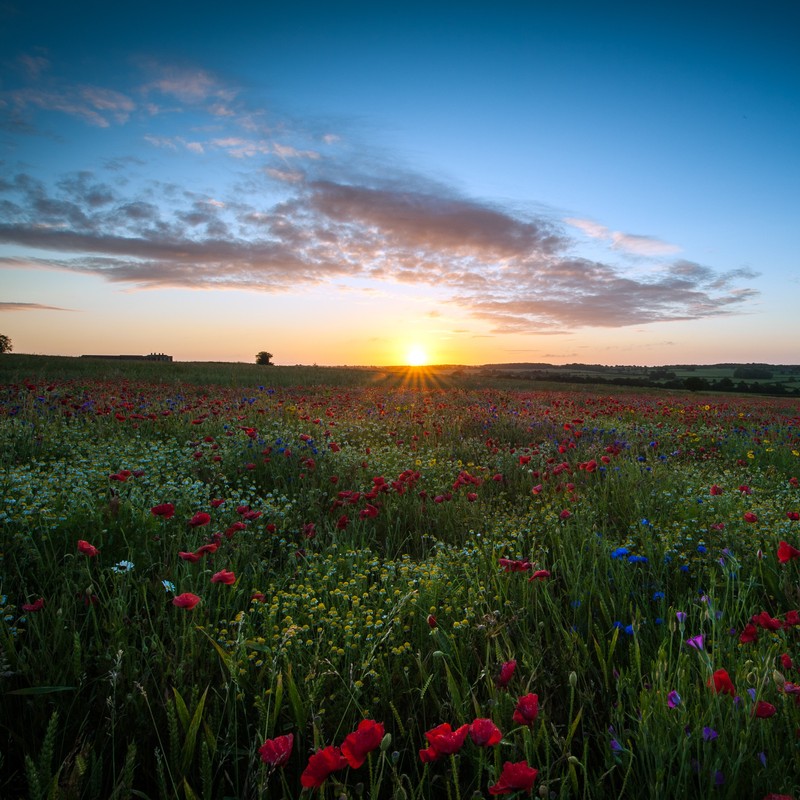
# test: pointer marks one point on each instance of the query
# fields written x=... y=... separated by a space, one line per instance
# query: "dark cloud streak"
x=515 y=273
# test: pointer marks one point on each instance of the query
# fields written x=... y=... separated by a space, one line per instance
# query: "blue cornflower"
x=620 y=552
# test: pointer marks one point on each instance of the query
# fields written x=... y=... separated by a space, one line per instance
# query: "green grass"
x=375 y=501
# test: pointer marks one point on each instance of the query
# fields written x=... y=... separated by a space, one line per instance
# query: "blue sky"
x=338 y=182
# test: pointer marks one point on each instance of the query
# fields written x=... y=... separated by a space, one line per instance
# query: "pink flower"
x=515 y=777
x=87 y=549
x=506 y=673
x=362 y=741
x=163 y=510
x=185 y=600
x=527 y=709
x=443 y=741
x=321 y=765
x=763 y=709
x=721 y=683
x=276 y=752
x=224 y=576
x=786 y=552
x=485 y=733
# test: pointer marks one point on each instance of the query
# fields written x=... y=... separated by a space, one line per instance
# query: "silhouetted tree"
x=695 y=384
x=5 y=344
x=263 y=358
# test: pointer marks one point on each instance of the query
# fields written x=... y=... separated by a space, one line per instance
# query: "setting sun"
x=416 y=357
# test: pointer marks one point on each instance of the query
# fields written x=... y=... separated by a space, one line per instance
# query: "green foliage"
x=263 y=358
x=562 y=530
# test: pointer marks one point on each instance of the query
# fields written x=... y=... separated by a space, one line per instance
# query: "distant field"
x=779 y=380
x=225 y=581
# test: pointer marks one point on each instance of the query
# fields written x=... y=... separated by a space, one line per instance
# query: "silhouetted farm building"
x=151 y=357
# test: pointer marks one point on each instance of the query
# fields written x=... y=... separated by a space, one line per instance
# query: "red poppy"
x=764 y=620
x=786 y=552
x=763 y=710
x=207 y=549
x=216 y=503
x=539 y=575
x=485 y=733
x=515 y=777
x=716 y=489
x=443 y=741
x=233 y=528
x=276 y=752
x=749 y=634
x=721 y=682
x=342 y=522
x=321 y=765
x=224 y=576
x=200 y=518
x=87 y=549
x=749 y=516
x=565 y=514
x=366 y=738
x=794 y=516
x=506 y=673
x=432 y=623
x=185 y=600
x=164 y=510
x=36 y=605
x=514 y=564
x=786 y=661
x=527 y=709
x=193 y=557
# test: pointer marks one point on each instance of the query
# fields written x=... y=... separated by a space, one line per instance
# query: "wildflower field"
x=396 y=591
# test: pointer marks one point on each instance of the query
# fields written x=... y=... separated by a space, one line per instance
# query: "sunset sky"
x=341 y=182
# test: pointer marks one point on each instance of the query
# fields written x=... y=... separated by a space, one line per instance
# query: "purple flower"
x=673 y=699
x=762 y=757
x=696 y=641
x=681 y=615
x=615 y=746
x=719 y=778
x=709 y=734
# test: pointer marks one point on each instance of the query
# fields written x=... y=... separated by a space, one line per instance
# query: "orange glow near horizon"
x=416 y=356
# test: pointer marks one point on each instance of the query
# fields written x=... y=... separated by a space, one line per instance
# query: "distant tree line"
x=694 y=383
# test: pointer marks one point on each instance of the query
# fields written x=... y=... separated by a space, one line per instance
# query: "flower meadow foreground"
x=281 y=592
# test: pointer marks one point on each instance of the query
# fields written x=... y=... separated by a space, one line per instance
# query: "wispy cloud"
x=624 y=242
x=311 y=208
x=5 y=306
x=513 y=272
x=93 y=104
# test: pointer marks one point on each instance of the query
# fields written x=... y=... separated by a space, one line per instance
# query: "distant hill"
x=755 y=378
